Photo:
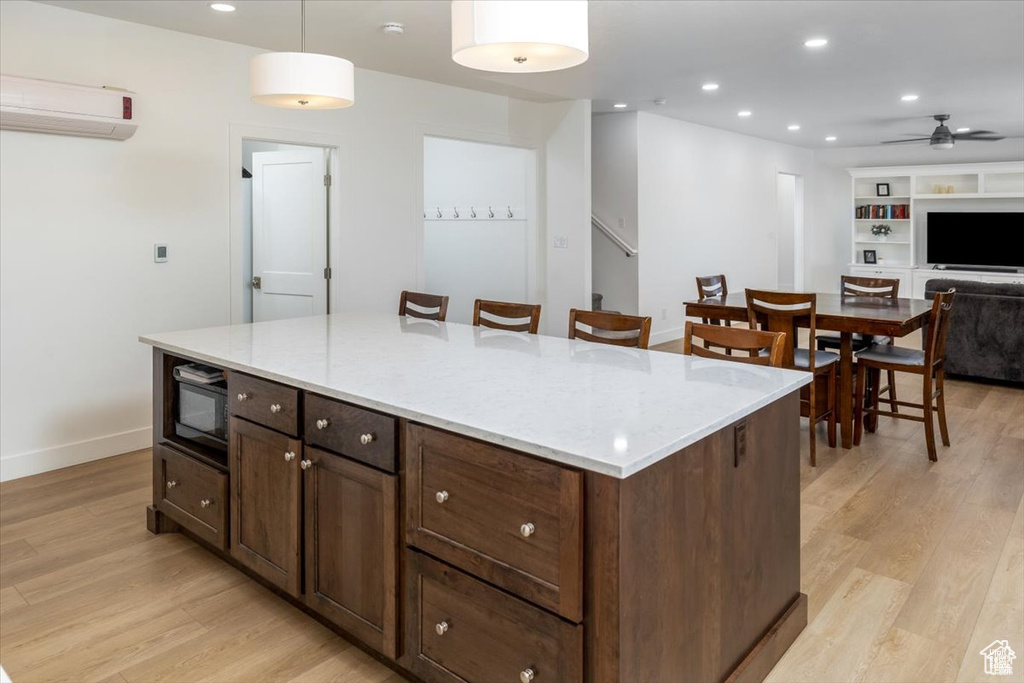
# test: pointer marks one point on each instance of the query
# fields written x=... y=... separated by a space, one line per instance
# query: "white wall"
x=707 y=204
x=614 y=199
x=77 y=280
x=786 y=204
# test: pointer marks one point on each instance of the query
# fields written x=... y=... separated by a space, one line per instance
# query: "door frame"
x=337 y=165
x=535 y=182
x=799 y=222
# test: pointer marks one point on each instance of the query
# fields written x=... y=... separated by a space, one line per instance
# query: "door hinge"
x=327 y=180
x=327 y=273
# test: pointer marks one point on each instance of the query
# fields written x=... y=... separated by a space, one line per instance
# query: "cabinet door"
x=266 y=515
x=351 y=547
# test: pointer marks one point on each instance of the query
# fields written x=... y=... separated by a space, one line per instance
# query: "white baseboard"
x=667 y=336
x=46 y=459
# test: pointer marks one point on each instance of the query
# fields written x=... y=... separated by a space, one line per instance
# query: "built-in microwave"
x=201 y=406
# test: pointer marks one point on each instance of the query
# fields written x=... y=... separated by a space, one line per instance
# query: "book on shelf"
x=893 y=212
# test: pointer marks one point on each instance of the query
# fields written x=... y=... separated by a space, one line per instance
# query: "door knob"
x=306 y=464
x=441 y=628
x=526 y=675
x=527 y=529
x=441 y=496
x=289 y=456
x=257 y=282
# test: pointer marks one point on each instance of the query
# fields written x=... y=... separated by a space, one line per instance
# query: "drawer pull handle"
x=527 y=529
x=366 y=439
x=322 y=424
x=306 y=464
x=205 y=503
x=171 y=484
x=526 y=675
x=441 y=496
x=243 y=397
x=289 y=456
x=275 y=408
x=441 y=628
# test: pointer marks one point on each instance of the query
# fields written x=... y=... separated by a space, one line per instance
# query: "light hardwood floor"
x=911 y=568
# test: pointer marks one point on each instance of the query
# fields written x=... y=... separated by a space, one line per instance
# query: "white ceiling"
x=962 y=58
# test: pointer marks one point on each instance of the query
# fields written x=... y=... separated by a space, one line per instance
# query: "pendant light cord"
x=303 y=44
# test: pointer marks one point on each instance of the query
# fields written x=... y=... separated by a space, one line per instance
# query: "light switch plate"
x=561 y=242
x=159 y=253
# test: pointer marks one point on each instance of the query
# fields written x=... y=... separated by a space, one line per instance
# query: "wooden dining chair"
x=520 y=317
x=853 y=286
x=709 y=286
x=929 y=363
x=426 y=306
x=788 y=312
x=610 y=328
x=760 y=346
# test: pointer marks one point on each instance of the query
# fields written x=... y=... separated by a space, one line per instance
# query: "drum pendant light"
x=519 y=36
x=302 y=80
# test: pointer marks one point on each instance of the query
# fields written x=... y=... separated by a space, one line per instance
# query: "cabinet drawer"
x=192 y=494
x=267 y=403
x=510 y=519
x=459 y=629
x=352 y=431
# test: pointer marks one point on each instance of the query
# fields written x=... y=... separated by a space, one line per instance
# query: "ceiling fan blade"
x=975 y=132
x=895 y=142
x=979 y=139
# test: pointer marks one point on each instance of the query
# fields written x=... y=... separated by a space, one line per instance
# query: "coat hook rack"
x=472 y=212
x=490 y=212
x=439 y=215
x=456 y=210
x=510 y=212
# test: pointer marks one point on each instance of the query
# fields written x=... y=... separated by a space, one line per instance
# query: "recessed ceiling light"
x=709 y=86
x=794 y=126
x=744 y=114
x=816 y=42
x=909 y=98
x=393 y=28
x=830 y=138
x=963 y=130
x=222 y=7
x=620 y=105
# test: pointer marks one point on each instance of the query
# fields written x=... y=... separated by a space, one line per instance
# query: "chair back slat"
x=610 y=328
x=784 y=312
x=761 y=347
x=711 y=285
x=516 y=317
x=938 y=327
x=422 y=305
x=851 y=285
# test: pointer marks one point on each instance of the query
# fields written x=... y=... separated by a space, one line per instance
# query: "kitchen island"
x=480 y=505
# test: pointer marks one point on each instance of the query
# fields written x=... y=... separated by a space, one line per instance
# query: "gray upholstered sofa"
x=986 y=329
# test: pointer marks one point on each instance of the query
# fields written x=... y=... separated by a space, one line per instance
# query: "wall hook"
x=490 y=212
x=510 y=212
x=456 y=210
x=439 y=212
x=472 y=212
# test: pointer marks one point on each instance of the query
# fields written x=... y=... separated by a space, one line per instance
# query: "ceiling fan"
x=943 y=138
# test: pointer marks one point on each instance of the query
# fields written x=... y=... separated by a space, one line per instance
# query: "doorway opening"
x=790 y=231
x=479 y=226
x=285 y=230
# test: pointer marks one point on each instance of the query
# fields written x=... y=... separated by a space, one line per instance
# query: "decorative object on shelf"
x=870 y=256
x=302 y=80
x=510 y=36
x=882 y=189
x=881 y=231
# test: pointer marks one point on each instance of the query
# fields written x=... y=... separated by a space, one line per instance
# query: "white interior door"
x=289 y=234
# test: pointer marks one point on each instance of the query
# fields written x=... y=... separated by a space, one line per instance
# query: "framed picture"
x=882 y=189
x=870 y=256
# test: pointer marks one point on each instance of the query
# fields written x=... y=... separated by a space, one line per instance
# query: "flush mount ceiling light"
x=302 y=80
x=222 y=7
x=511 y=36
x=393 y=28
x=816 y=42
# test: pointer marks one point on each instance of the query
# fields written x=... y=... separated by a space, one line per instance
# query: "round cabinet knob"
x=275 y=408
x=205 y=503
x=171 y=484
x=441 y=628
x=243 y=397
x=289 y=456
x=527 y=529
x=441 y=496
x=322 y=424
x=366 y=439
x=306 y=464
x=526 y=675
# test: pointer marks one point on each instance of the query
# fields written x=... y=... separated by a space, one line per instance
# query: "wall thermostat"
x=159 y=253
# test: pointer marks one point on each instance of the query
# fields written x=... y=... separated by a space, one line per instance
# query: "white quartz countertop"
x=598 y=407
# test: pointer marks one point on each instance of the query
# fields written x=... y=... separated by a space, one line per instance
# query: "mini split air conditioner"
x=65 y=109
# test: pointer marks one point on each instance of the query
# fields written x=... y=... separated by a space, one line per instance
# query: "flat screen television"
x=975 y=238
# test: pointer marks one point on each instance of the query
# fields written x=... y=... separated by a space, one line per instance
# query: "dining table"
x=847 y=315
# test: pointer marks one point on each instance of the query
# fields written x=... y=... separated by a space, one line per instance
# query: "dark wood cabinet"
x=357 y=433
x=351 y=541
x=191 y=494
x=266 y=516
x=265 y=402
